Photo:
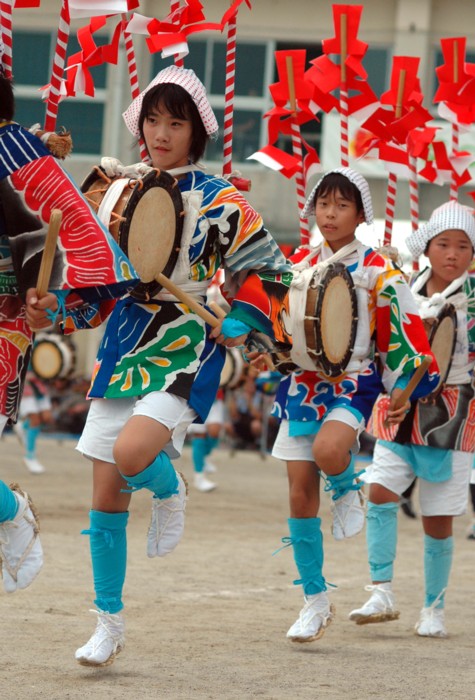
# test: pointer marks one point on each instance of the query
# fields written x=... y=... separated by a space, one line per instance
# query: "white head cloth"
x=448 y=217
x=357 y=179
x=188 y=80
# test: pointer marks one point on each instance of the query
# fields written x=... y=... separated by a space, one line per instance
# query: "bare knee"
x=379 y=495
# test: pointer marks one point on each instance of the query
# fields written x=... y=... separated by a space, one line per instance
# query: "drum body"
x=232 y=369
x=323 y=319
x=53 y=356
x=145 y=217
x=442 y=339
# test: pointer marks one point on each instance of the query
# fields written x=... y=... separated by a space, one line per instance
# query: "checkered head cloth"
x=188 y=80
x=449 y=216
x=357 y=179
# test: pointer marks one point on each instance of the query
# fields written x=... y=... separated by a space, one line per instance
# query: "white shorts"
x=30 y=404
x=442 y=498
x=299 y=447
x=3 y=422
x=107 y=417
x=216 y=415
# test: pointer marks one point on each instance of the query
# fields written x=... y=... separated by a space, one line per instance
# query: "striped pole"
x=455 y=146
x=297 y=152
x=6 y=8
x=392 y=180
x=174 y=6
x=344 y=150
x=414 y=200
x=133 y=77
x=58 y=68
x=229 y=97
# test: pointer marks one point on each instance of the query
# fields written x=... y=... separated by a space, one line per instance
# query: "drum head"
x=336 y=320
x=52 y=357
x=150 y=236
x=442 y=339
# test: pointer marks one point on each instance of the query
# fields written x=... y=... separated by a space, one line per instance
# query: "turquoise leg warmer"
x=159 y=477
x=381 y=539
x=198 y=453
x=108 y=544
x=8 y=503
x=437 y=565
x=31 y=436
x=307 y=541
x=211 y=443
x=341 y=483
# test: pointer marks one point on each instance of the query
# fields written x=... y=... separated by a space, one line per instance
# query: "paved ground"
x=209 y=621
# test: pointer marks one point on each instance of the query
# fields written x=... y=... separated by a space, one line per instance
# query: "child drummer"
x=436 y=441
x=323 y=417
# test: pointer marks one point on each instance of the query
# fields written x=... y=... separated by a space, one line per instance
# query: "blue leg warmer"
x=159 y=477
x=31 y=436
x=307 y=541
x=381 y=539
x=341 y=483
x=8 y=503
x=437 y=565
x=211 y=443
x=198 y=453
x=108 y=544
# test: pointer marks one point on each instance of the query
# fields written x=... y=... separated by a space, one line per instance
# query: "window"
x=32 y=60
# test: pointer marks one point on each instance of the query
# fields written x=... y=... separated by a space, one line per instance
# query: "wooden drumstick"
x=413 y=382
x=185 y=298
x=217 y=310
x=49 y=251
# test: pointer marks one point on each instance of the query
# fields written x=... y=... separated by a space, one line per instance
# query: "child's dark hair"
x=179 y=103
x=7 y=101
x=336 y=181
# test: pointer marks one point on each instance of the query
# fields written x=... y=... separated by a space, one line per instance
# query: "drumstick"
x=217 y=310
x=413 y=382
x=49 y=251
x=185 y=298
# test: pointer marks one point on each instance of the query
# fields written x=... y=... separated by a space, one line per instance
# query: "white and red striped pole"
x=174 y=6
x=133 y=77
x=344 y=149
x=298 y=154
x=58 y=68
x=229 y=97
x=455 y=146
x=6 y=8
x=392 y=180
x=414 y=200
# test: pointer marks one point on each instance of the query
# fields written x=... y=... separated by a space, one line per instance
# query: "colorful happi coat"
x=445 y=420
x=161 y=345
x=88 y=266
x=388 y=327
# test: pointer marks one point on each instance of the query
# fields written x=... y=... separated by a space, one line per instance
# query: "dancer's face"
x=167 y=138
x=450 y=254
x=337 y=219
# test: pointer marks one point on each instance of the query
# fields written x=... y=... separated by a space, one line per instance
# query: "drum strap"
x=110 y=199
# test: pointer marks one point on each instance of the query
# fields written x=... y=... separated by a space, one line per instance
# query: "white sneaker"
x=33 y=466
x=379 y=608
x=21 y=553
x=314 y=618
x=202 y=483
x=106 y=642
x=431 y=623
x=210 y=468
x=168 y=521
x=348 y=515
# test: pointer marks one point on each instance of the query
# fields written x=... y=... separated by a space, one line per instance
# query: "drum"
x=53 y=356
x=323 y=321
x=145 y=217
x=232 y=369
x=442 y=338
